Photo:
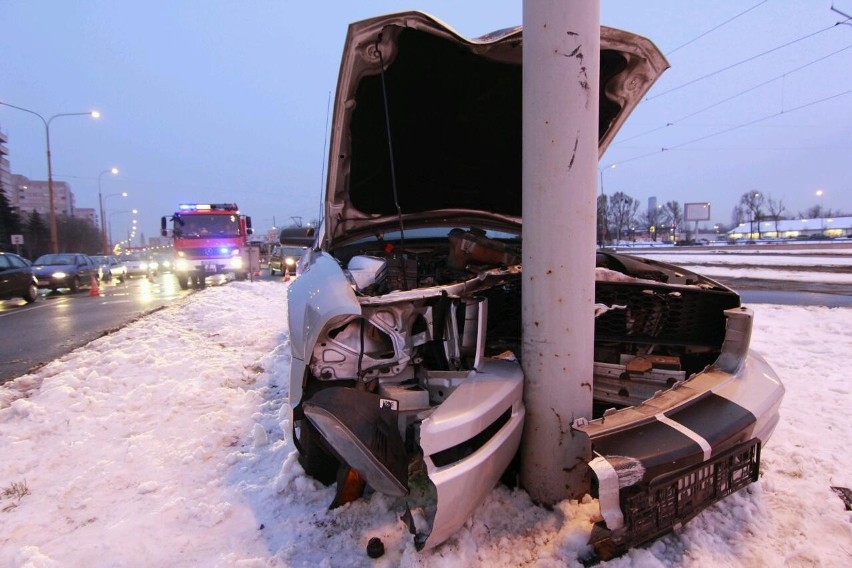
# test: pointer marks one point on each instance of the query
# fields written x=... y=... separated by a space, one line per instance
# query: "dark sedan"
x=65 y=270
x=285 y=258
x=16 y=278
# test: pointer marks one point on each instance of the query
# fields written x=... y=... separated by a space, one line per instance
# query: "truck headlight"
x=181 y=264
x=236 y=262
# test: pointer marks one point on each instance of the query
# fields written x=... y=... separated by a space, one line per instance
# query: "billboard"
x=696 y=211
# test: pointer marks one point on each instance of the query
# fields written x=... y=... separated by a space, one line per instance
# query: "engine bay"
x=432 y=308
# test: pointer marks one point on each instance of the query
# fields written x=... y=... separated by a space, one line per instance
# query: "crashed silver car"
x=405 y=323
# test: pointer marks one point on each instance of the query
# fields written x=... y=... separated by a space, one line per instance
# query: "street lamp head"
x=819 y=193
x=95 y=114
x=113 y=171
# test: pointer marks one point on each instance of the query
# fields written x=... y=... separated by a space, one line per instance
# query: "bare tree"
x=621 y=212
x=652 y=218
x=738 y=215
x=673 y=217
x=601 y=224
x=776 y=209
x=752 y=201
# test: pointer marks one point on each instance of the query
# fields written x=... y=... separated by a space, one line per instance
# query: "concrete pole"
x=561 y=63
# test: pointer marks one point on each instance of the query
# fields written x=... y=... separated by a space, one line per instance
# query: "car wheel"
x=314 y=458
x=183 y=282
x=31 y=293
x=75 y=284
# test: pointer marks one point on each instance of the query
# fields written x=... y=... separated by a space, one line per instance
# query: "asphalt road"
x=59 y=322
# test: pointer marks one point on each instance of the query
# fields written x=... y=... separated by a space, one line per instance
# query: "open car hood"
x=454 y=113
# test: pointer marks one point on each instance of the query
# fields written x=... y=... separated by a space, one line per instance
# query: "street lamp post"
x=54 y=241
x=820 y=193
x=104 y=244
x=134 y=211
x=603 y=204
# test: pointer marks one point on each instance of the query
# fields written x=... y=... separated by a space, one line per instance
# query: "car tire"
x=313 y=457
x=31 y=294
x=183 y=282
x=75 y=284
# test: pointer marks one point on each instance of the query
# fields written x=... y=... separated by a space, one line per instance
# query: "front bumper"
x=209 y=265
x=661 y=462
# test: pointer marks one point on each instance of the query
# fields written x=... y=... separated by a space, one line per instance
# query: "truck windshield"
x=204 y=226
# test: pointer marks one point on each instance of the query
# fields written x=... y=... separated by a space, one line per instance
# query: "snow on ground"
x=167 y=443
x=773 y=264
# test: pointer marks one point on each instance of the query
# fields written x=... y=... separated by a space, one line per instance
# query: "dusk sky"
x=214 y=101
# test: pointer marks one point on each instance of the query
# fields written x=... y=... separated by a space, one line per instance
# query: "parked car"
x=405 y=323
x=285 y=258
x=138 y=264
x=65 y=270
x=110 y=267
x=16 y=278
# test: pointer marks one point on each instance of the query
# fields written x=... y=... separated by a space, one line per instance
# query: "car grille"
x=656 y=314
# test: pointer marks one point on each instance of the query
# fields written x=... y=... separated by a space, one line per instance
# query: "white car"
x=110 y=267
x=138 y=264
x=405 y=323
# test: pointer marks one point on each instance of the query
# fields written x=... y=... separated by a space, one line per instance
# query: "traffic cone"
x=94 y=290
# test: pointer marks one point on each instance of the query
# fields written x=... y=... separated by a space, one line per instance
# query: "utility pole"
x=561 y=77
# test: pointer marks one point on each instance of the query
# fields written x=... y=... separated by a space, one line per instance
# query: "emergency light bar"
x=208 y=207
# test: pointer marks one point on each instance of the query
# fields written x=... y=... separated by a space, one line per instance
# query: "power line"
x=739 y=94
x=711 y=30
x=737 y=127
x=747 y=60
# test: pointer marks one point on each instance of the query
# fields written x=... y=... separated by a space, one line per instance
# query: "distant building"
x=87 y=213
x=652 y=203
x=32 y=195
x=5 y=171
x=830 y=227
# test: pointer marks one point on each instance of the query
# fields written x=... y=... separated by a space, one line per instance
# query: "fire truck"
x=209 y=239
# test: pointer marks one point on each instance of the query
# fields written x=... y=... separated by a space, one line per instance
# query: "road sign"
x=17 y=239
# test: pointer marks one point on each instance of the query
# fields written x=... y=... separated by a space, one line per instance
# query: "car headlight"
x=289 y=261
x=58 y=275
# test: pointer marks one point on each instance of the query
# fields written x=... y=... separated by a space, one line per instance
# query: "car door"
x=86 y=268
x=7 y=278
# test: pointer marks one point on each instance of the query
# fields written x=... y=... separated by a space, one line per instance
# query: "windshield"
x=54 y=259
x=292 y=251
x=202 y=226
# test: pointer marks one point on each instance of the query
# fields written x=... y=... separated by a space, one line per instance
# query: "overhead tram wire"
x=711 y=30
x=727 y=99
x=737 y=64
x=731 y=129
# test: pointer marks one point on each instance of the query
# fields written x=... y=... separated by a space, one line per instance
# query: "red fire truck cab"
x=209 y=238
